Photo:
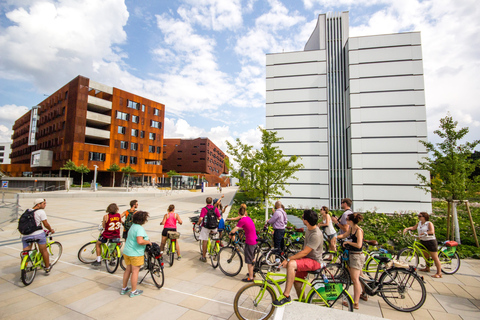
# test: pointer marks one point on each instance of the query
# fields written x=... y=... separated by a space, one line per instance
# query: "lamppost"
x=95 y=178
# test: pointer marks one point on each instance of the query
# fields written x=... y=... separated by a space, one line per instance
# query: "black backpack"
x=27 y=223
x=129 y=220
x=210 y=219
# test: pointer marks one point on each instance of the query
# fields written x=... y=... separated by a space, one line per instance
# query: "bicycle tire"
x=214 y=254
x=449 y=265
x=402 y=289
x=196 y=232
x=168 y=253
x=408 y=256
x=338 y=273
x=112 y=260
x=142 y=267
x=156 y=270
x=338 y=304
x=28 y=272
x=293 y=248
x=230 y=261
x=54 y=250
x=87 y=253
x=246 y=307
x=371 y=268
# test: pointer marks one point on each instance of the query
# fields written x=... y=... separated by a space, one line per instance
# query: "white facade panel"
x=385 y=54
x=388 y=113
x=296 y=57
x=292 y=135
x=385 y=40
x=296 y=95
x=391 y=145
x=391 y=207
x=380 y=69
x=385 y=177
x=386 y=84
x=314 y=81
x=309 y=176
x=386 y=161
x=296 y=69
x=399 y=98
x=314 y=162
x=389 y=193
x=317 y=191
x=388 y=129
x=290 y=122
x=304 y=148
x=296 y=108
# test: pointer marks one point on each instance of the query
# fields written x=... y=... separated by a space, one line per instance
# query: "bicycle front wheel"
x=112 y=261
x=156 y=270
x=252 y=303
x=408 y=256
x=196 y=232
x=54 y=250
x=122 y=263
x=87 y=253
x=450 y=265
x=230 y=261
x=402 y=289
x=28 y=272
x=343 y=302
x=169 y=254
x=336 y=272
x=371 y=267
x=214 y=254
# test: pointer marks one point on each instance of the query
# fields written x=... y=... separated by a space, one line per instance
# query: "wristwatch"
x=288 y=259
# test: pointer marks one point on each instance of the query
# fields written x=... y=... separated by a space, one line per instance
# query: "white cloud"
x=11 y=112
x=213 y=14
x=50 y=42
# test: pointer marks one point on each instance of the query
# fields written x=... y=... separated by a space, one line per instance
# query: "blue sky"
x=205 y=59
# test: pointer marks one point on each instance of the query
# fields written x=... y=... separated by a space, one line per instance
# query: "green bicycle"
x=447 y=254
x=111 y=253
x=171 y=246
x=213 y=248
x=254 y=301
x=33 y=259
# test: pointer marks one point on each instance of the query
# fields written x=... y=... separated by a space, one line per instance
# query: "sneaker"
x=136 y=293
x=247 y=279
x=96 y=263
x=203 y=259
x=47 y=270
x=179 y=258
x=282 y=302
x=125 y=291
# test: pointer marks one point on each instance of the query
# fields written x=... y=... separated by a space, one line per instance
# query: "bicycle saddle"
x=115 y=240
x=32 y=240
x=371 y=242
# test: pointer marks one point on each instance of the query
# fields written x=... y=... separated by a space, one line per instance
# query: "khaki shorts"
x=134 y=261
x=356 y=260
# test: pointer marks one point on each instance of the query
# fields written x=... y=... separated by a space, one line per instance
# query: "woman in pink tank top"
x=170 y=224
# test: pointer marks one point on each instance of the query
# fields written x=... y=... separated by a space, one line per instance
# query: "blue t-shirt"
x=132 y=248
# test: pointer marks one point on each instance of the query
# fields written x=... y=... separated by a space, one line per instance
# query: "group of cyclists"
x=318 y=228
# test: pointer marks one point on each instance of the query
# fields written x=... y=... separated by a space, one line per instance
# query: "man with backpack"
x=209 y=221
x=30 y=226
x=128 y=215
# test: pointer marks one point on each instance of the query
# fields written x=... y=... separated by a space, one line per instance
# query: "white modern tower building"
x=354 y=110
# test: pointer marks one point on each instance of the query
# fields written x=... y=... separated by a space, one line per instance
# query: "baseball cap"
x=37 y=201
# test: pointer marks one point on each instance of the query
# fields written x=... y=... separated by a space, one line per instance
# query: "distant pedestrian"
x=342 y=222
x=128 y=217
x=329 y=232
x=279 y=223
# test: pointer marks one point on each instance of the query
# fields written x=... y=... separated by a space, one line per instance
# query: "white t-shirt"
x=422 y=231
x=40 y=216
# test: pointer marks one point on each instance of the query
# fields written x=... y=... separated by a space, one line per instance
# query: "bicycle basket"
x=449 y=251
x=153 y=250
x=194 y=219
x=173 y=234
x=329 y=291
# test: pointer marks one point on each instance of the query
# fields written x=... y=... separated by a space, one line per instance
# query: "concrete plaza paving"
x=192 y=290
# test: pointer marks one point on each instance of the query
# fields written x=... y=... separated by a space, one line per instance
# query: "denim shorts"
x=42 y=237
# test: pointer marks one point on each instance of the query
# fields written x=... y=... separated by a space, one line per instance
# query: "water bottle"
x=325 y=279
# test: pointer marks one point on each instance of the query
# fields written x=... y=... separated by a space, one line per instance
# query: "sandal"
x=437 y=276
x=364 y=297
x=424 y=270
x=345 y=304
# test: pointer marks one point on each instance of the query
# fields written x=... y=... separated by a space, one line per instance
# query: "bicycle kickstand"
x=148 y=271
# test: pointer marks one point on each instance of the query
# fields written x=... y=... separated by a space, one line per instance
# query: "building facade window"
x=123 y=159
x=155 y=124
x=151 y=149
x=134 y=119
x=123 y=145
x=156 y=112
x=159 y=150
x=151 y=136
x=123 y=116
x=142 y=134
x=134 y=132
x=134 y=146
x=96 y=156
x=133 y=105
x=122 y=130
x=133 y=160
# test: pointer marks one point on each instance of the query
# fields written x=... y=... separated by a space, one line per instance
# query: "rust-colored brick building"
x=91 y=124
x=200 y=157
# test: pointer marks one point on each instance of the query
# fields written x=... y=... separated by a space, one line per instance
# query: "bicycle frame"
x=173 y=245
x=37 y=258
x=419 y=249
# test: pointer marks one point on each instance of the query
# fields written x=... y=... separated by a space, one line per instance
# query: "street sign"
x=4 y=184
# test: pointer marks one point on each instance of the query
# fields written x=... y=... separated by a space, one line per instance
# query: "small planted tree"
x=113 y=168
x=69 y=165
x=82 y=169
x=128 y=171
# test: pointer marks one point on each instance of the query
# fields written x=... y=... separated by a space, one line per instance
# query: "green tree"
x=113 y=168
x=451 y=167
x=69 y=165
x=172 y=173
x=82 y=169
x=262 y=173
x=128 y=171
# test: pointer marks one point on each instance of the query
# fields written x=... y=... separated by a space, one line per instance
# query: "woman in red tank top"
x=170 y=222
x=111 y=229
